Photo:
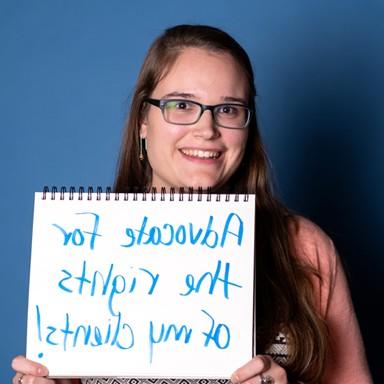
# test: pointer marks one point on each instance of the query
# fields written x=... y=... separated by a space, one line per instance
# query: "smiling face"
x=201 y=154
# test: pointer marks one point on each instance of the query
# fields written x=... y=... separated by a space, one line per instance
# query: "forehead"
x=204 y=74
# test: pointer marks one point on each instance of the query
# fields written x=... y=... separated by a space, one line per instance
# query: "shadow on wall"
x=336 y=179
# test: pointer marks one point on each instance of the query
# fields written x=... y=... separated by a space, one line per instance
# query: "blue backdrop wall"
x=67 y=71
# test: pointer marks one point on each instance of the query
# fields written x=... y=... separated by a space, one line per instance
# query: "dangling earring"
x=142 y=140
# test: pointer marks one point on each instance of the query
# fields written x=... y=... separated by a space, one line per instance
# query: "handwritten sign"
x=141 y=285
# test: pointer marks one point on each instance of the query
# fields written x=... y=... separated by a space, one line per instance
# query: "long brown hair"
x=285 y=299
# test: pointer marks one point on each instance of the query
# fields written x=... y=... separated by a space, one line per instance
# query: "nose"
x=206 y=127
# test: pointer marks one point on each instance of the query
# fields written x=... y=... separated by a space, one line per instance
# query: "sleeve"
x=346 y=362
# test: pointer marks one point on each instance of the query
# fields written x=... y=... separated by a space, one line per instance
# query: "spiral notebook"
x=141 y=284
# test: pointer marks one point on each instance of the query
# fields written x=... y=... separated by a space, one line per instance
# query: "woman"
x=193 y=124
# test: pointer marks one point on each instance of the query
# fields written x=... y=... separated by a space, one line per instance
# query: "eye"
x=179 y=105
x=229 y=109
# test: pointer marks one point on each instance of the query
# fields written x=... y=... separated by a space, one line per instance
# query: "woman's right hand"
x=29 y=372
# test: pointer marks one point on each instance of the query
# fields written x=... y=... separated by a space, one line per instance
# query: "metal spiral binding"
x=108 y=193
x=137 y=194
x=71 y=192
x=62 y=192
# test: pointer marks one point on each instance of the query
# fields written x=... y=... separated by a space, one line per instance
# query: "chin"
x=204 y=184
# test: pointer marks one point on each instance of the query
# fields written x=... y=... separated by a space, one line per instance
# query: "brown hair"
x=285 y=299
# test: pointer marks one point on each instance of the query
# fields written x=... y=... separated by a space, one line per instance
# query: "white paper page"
x=142 y=288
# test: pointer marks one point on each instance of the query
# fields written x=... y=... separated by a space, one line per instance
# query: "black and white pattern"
x=278 y=351
x=111 y=380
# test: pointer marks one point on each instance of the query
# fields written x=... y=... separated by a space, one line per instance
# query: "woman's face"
x=200 y=154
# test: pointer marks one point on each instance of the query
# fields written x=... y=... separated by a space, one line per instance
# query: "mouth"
x=200 y=154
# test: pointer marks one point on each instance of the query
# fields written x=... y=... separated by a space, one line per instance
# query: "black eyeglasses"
x=187 y=112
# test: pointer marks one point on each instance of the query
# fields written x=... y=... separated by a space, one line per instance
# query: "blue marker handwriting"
x=116 y=332
x=212 y=280
x=109 y=284
x=166 y=332
x=76 y=236
x=70 y=335
x=168 y=234
x=113 y=280
x=219 y=334
x=165 y=234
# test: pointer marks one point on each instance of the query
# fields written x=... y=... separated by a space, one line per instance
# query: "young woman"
x=193 y=124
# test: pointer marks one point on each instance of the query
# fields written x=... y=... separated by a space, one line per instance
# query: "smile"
x=199 y=153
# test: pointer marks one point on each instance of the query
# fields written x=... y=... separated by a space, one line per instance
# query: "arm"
x=347 y=362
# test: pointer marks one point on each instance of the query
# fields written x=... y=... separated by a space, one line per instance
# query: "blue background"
x=67 y=72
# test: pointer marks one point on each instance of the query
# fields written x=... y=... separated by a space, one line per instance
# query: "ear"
x=143 y=127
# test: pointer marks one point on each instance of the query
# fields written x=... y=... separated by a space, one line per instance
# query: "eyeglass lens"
x=188 y=112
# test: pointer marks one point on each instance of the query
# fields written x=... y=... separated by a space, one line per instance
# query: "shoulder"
x=311 y=243
x=307 y=233
x=314 y=248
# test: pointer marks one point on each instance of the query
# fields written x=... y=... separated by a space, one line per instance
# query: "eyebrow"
x=179 y=94
x=235 y=99
x=185 y=95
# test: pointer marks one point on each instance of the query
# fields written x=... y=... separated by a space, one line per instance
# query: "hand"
x=260 y=370
x=29 y=372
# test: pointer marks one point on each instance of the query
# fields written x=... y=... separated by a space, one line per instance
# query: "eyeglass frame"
x=160 y=103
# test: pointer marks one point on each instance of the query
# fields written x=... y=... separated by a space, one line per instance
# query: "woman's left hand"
x=260 y=370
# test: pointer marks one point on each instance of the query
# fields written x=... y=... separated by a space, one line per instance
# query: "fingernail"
x=235 y=379
x=42 y=371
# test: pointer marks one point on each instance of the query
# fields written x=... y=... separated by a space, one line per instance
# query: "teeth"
x=201 y=154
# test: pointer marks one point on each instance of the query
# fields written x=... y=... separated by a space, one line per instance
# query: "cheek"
x=159 y=129
x=162 y=138
x=237 y=142
x=152 y=122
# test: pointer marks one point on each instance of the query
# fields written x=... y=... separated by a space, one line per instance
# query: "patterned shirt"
x=278 y=351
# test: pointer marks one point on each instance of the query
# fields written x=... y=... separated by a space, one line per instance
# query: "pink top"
x=347 y=362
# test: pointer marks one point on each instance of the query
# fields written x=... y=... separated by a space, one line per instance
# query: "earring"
x=142 y=140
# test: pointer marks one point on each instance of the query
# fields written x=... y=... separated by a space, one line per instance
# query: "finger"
x=253 y=380
x=17 y=379
x=28 y=367
x=268 y=361
x=275 y=374
x=20 y=378
x=254 y=367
